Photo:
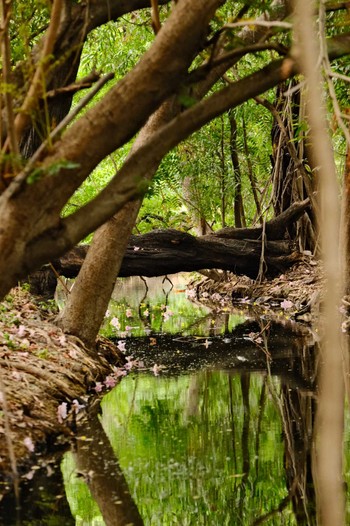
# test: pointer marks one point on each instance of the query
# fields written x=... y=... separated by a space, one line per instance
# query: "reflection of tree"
x=298 y=417
x=96 y=461
x=245 y=386
x=298 y=411
x=297 y=408
x=262 y=401
x=222 y=445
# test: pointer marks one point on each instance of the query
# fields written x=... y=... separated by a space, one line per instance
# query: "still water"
x=213 y=425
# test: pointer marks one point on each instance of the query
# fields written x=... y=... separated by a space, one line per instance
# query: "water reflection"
x=215 y=447
x=96 y=464
x=226 y=443
x=221 y=436
x=142 y=306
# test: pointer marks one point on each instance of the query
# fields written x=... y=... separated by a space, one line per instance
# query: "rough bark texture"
x=158 y=74
x=95 y=283
x=32 y=229
x=167 y=251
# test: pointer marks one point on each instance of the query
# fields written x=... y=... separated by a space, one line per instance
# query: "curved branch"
x=37 y=85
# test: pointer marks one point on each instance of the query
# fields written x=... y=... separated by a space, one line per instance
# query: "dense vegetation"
x=199 y=115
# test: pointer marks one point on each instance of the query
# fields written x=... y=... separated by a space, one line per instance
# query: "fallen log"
x=168 y=251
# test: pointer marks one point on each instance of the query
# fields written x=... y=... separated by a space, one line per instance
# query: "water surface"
x=213 y=428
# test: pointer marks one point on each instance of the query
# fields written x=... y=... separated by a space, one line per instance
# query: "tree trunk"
x=89 y=298
x=345 y=223
x=238 y=200
x=163 y=252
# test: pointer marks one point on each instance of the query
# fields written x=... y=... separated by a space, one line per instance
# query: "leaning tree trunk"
x=88 y=300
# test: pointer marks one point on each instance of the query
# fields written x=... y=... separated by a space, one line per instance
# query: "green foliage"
x=192 y=450
x=28 y=21
x=117 y=46
x=195 y=181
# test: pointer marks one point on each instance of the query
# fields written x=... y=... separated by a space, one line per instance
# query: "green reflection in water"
x=201 y=449
x=81 y=503
x=162 y=307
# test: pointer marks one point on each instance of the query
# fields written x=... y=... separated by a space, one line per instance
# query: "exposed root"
x=41 y=368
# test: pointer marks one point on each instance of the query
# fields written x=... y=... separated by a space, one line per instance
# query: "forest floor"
x=297 y=293
x=46 y=376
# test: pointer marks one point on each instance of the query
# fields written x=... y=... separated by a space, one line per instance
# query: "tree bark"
x=32 y=230
x=95 y=282
x=94 y=285
x=168 y=251
x=328 y=468
x=158 y=74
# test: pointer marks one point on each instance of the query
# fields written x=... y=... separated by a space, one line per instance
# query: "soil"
x=296 y=294
x=46 y=376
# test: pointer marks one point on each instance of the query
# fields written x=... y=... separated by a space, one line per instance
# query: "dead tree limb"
x=168 y=251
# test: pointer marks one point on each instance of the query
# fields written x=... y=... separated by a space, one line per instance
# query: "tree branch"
x=38 y=82
x=6 y=68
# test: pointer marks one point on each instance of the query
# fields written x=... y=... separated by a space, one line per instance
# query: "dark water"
x=215 y=427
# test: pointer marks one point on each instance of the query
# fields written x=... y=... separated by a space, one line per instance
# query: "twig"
x=36 y=87
x=329 y=75
x=201 y=71
x=6 y=68
x=83 y=83
x=339 y=76
x=155 y=16
x=298 y=163
x=59 y=278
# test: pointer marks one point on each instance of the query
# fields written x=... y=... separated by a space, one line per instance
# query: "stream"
x=211 y=424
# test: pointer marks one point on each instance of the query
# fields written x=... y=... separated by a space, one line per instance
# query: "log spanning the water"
x=169 y=251
x=235 y=249
x=240 y=250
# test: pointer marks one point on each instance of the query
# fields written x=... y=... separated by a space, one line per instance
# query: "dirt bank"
x=46 y=377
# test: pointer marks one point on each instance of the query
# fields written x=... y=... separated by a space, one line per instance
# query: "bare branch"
x=155 y=16
x=238 y=53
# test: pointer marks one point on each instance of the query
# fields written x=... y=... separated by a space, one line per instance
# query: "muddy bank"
x=295 y=294
x=46 y=377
